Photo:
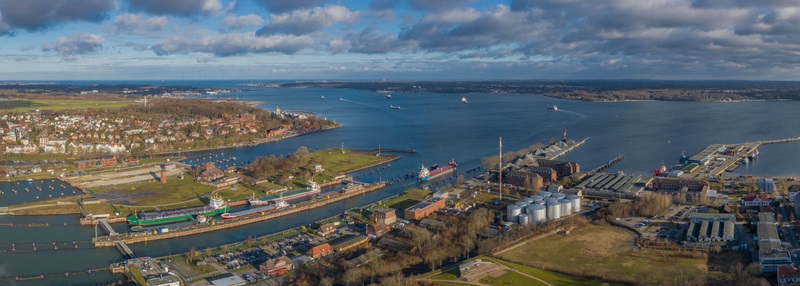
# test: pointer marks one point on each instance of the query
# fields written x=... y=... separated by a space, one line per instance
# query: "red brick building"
x=424 y=208
x=321 y=250
x=384 y=216
x=377 y=230
x=277 y=267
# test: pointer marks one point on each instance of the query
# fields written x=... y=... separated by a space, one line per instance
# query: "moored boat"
x=271 y=207
x=426 y=174
x=216 y=206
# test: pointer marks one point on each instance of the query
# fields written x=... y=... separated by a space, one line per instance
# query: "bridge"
x=124 y=249
x=107 y=227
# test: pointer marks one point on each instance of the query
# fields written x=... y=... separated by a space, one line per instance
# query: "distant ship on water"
x=464 y=100
x=426 y=174
x=388 y=96
x=554 y=108
x=394 y=107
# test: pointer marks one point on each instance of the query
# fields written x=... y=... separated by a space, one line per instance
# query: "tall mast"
x=500 y=171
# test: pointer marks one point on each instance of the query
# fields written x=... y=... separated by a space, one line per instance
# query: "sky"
x=399 y=39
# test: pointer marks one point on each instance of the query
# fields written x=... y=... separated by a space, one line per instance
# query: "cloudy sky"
x=399 y=39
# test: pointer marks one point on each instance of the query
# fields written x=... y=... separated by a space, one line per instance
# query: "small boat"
x=322 y=97
x=394 y=107
x=341 y=98
x=464 y=100
x=554 y=107
x=388 y=96
x=29 y=180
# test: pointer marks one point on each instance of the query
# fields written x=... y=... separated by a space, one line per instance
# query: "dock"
x=606 y=165
x=109 y=240
x=732 y=161
x=567 y=150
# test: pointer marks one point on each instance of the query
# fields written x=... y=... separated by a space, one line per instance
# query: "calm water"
x=440 y=128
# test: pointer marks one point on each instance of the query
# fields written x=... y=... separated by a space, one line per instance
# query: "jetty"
x=721 y=158
x=606 y=165
x=109 y=240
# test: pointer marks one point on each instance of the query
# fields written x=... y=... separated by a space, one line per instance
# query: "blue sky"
x=399 y=39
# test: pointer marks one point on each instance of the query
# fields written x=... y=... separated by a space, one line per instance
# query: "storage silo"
x=528 y=200
x=576 y=203
x=536 y=197
x=566 y=207
x=521 y=204
x=513 y=213
x=558 y=196
x=553 y=210
x=538 y=202
x=524 y=219
x=545 y=194
x=537 y=213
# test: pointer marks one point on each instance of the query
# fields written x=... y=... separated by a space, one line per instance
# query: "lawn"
x=60 y=104
x=606 y=252
x=549 y=276
x=241 y=192
x=510 y=278
x=99 y=209
x=153 y=193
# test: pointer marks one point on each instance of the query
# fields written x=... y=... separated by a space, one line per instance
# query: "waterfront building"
x=384 y=216
x=563 y=168
x=766 y=185
x=326 y=229
x=424 y=208
x=703 y=157
x=678 y=185
x=519 y=176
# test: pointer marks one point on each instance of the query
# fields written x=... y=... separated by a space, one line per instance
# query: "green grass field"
x=510 y=277
x=154 y=193
x=606 y=252
x=53 y=104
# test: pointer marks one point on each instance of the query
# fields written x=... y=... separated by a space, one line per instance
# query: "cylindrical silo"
x=566 y=207
x=576 y=203
x=536 y=213
x=521 y=204
x=553 y=210
x=536 y=197
x=538 y=202
x=524 y=219
x=545 y=194
x=558 y=196
x=528 y=200
x=513 y=213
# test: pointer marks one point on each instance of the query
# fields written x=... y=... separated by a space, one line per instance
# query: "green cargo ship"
x=216 y=207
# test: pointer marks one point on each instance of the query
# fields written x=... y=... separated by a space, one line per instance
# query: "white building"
x=766 y=185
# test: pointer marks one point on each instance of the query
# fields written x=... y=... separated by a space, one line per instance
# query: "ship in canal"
x=215 y=207
x=313 y=189
x=426 y=174
x=271 y=207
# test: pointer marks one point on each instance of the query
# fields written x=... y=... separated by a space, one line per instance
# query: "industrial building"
x=563 y=168
x=612 y=185
x=679 y=185
x=519 y=176
x=771 y=253
x=788 y=275
x=707 y=227
x=384 y=215
x=703 y=157
x=424 y=208
x=348 y=242
x=277 y=267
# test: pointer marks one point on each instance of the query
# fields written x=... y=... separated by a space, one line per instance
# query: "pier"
x=565 y=151
x=107 y=241
x=731 y=161
x=390 y=150
x=606 y=165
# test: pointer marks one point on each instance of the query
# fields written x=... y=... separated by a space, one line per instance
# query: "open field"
x=52 y=104
x=153 y=193
x=515 y=274
x=607 y=253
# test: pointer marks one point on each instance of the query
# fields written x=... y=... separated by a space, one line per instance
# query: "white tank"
x=513 y=213
x=524 y=219
x=536 y=197
x=558 y=196
x=537 y=213
x=545 y=194
x=576 y=203
x=551 y=200
x=538 y=202
x=521 y=204
x=566 y=207
x=528 y=200
x=553 y=210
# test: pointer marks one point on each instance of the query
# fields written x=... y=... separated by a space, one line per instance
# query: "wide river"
x=440 y=128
